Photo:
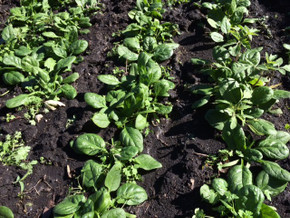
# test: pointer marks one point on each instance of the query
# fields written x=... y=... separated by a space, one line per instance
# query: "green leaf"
x=12 y=60
x=208 y=194
x=199 y=61
x=129 y=152
x=252 y=155
x=273 y=149
x=132 y=137
x=69 y=91
x=94 y=100
x=13 y=77
x=220 y=186
x=132 y=43
x=238 y=177
x=216 y=118
x=89 y=144
x=225 y=25
x=50 y=35
x=278 y=94
x=113 y=178
x=286 y=67
x=262 y=127
x=109 y=79
x=164 y=51
x=8 y=33
x=22 y=51
x=270 y=184
x=251 y=198
x=71 y=78
x=17 y=101
x=101 y=120
x=59 y=51
x=162 y=87
x=126 y=53
x=65 y=63
x=212 y=23
x=274 y=169
x=131 y=194
x=92 y=174
x=217 y=37
x=262 y=95
x=69 y=205
x=146 y=162
x=79 y=47
x=5 y=212
x=268 y=212
x=50 y=64
x=234 y=137
x=201 y=102
x=280 y=136
x=149 y=43
x=140 y=122
x=114 y=213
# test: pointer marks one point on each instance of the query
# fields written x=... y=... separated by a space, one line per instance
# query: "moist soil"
x=181 y=143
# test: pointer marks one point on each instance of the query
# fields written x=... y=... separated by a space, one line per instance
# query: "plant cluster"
x=241 y=93
x=39 y=46
x=13 y=152
x=110 y=176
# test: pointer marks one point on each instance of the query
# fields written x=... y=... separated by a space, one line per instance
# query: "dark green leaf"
x=125 y=53
x=270 y=184
x=253 y=155
x=273 y=149
x=114 y=213
x=22 y=51
x=69 y=91
x=164 y=51
x=216 y=118
x=13 y=77
x=132 y=137
x=89 y=144
x=238 y=177
x=274 y=169
x=234 y=137
x=65 y=63
x=113 y=178
x=129 y=152
x=91 y=174
x=262 y=95
x=132 y=43
x=79 y=47
x=262 y=127
x=69 y=205
x=251 y=198
x=131 y=194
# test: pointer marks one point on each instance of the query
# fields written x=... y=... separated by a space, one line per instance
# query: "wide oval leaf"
x=238 y=177
x=262 y=95
x=132 y=137
x=131 y=194
x=13 y=77
x=274 y=169
x=89 y=144
x=95 y=100
x=101 y=120
x=5 y=212
x=114 y=213
x=92 y=174
x=273 y=149
x=109 y=79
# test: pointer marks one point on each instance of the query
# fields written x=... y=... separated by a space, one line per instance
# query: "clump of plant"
x=38 y=47
x=14 y=152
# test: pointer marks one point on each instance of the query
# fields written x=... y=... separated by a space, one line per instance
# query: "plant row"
x=135 y=96
x=240 y=92
x=38 y=48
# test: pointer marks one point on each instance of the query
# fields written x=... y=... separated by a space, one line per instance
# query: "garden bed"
x=181 y=143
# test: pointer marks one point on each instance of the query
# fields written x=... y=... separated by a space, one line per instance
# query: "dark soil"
x=180 y=143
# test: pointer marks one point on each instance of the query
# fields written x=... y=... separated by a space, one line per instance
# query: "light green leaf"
x=109 y=79
x=217 y=37
x=131 y=194
x=147 y=162
x=95 y=100
x=113 y=178
x=89 y=144
x=101 y=120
